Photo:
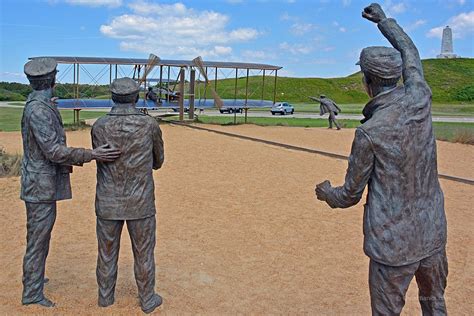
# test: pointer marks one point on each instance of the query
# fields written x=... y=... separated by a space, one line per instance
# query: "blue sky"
x=319 y=38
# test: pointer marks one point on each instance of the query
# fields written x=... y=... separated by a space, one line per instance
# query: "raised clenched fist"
x=374 y=13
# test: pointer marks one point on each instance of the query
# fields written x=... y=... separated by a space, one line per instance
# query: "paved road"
x=453 y=119
x=450 y=119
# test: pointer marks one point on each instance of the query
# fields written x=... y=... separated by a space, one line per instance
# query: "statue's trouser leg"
x=332 y=119
x=142 y=234
x=431 y=279
x=108 y=237
x=40 y=221
x=388 y=285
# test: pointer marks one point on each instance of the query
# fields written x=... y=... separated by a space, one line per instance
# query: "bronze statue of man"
x=394 y=152
x=125 y=193
x=47 y=162
x=327 y=105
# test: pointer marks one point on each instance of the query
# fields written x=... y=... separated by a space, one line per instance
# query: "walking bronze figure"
x=47 y=163
x=125 y=193
x=394 y=153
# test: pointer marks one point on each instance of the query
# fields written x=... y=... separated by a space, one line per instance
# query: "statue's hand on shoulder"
x=374 y=13
x=322 y=189
x=105 y=153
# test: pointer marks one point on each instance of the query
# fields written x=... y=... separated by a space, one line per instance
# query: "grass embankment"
x=450 y=81
x=10 y=118
x=452 y=132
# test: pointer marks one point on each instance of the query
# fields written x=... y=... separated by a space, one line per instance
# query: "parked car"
x=282 y=108
x=229 y=110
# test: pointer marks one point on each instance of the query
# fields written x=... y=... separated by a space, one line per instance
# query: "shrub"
x=10 y=165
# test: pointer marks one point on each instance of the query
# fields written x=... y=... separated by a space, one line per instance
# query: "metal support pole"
x=181 y=94
x=110 y=74
x=236 y=78
x=192 y=82
x=235 y=117
x=263 y=85
x=161 y=79
x=116 y=71
x=246 y=109
x=275 y=87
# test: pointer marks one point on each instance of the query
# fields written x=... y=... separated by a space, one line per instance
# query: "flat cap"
x=124 y=86
x=40 y=67
x=381 y=62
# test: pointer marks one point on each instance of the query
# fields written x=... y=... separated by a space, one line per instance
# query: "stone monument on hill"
x=447 y=44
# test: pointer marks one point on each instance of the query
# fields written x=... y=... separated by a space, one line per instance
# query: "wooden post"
x=192 y=79
x=161 y=79
x=236 y=78
x=181 y=94
x=168 y=86
x=275 y=87
x=247 y=87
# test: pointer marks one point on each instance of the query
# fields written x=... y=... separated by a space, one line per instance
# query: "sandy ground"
x=239 y=231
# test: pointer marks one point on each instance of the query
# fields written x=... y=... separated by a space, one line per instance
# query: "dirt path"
x=239 y=231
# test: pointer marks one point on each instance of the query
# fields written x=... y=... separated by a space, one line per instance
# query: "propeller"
x=153 y=60
x=199 y=63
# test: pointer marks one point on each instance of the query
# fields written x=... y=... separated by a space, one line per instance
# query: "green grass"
x=438 y=109
x=10 y=118
x=450 y=80
x=452 y=132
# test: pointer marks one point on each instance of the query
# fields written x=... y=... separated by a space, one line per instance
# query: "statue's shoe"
x=44 y=302
x=157 y=301
x=106 y=302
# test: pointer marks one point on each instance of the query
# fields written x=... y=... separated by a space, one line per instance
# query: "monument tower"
x=447 y=44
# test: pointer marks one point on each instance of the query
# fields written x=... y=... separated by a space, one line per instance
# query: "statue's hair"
x=380 y=81
x=42 y=83
x=125 y=99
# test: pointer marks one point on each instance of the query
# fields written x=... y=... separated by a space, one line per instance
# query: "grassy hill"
x=451 y=81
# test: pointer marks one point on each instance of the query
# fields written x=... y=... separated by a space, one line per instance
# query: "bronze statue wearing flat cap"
x=394 y=154
x=125 y=193
x=47 y=163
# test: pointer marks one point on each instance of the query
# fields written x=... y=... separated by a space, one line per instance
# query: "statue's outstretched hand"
x=322 y=189
x=105 y=153
x=374 y=13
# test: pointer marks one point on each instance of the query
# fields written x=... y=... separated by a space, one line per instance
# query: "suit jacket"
x=327 y=106
x=394 y=152
x=125 y=187
x=46 y=158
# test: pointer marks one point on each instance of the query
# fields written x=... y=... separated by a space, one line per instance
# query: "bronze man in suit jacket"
x=47 y=162
x=126 y=193
x=394 y=153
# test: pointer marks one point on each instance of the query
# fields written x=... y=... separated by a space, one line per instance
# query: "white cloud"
x=462 y=25
x=339 y=27
x=296 y=49
x=415 y=25
x=96 y=3
x=301 y=28
x=346 y=3
x=174 y=30
x=257 y=55
x=398 y=8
